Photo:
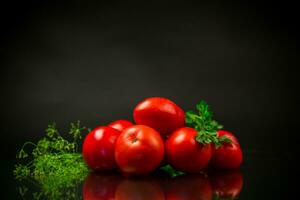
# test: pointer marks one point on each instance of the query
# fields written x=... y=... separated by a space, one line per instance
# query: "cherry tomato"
x=196 y=187
x=184 y=153
x=120 y=125
x=100 y=186
x=99 y=148
x=159 y=113
x=132 y=189
x=227 y=184
x=139 y=150
x=228 y=156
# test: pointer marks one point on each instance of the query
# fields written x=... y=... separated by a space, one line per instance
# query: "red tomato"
x=100 y=187
x=159 y=113
x=99 y=148
x=228 y=156
x=120 y=125
x=139 y=190
x=227 y=184
x=196 y=187
x=139 y=150
x=184 y=153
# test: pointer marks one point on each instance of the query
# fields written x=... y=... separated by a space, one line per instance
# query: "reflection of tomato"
x=139 y=150
x=100 y=187
x=99 y=148
x=184 y=153
x=139 y=190
x=196 y=187
x=120 y=125
x=228 y=156
x=159 y=113
x=227 y=184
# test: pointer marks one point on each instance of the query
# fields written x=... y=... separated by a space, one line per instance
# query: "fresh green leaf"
x=171 y=171
x=203 y=122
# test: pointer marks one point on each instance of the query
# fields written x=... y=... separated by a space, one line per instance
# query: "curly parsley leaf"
x=203 y=122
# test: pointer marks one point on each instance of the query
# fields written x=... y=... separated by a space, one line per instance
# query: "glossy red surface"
x=228 y=156
x=184 y=153
x=139 y=150
x=227 y=184
x=121 y=124
x=100 y=186
x=194 y=187
x=139 y=190
x=159 y=113
x=99 y=148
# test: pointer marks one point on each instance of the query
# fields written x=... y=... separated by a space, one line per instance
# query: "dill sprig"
x=53 y=163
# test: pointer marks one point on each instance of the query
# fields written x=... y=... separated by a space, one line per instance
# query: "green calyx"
x=202 y=121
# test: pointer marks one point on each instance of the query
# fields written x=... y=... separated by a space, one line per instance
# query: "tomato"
x=159 y=113
x=99 y=148
x=133 y=189
x=100 y=187
x=228 y=156
x=196 y=187
x=227 y=184
x=120 y=125
x=139 y=150
x=184 y=153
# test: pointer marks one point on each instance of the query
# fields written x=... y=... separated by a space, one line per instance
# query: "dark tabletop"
x=260 y=177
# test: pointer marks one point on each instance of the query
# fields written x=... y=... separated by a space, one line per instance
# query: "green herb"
x=171 y=171
x=216 y=197
x=203 y=122
x=53 y=164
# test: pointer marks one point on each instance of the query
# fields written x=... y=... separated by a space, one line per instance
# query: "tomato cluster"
x=160 y=135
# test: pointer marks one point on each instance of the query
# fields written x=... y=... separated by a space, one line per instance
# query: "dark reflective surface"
x=221 y=185
x=261 y=177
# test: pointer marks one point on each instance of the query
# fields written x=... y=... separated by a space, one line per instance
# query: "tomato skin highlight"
x=227 y=184
x=160 y=114
x=139 y=150
x=99 y=148
x=228 y=156
x=120 y=125
x=184 y=153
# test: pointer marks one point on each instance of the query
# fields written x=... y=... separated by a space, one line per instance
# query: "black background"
x=62 y=61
